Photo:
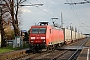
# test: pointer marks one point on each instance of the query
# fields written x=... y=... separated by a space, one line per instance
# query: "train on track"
x=49 y=37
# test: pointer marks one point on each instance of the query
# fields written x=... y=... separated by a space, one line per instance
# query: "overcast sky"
x=75 y=15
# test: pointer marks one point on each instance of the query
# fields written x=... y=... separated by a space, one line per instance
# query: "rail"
x=75 y=53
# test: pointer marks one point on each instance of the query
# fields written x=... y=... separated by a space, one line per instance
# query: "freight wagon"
x=67 y=36
x=72 y=36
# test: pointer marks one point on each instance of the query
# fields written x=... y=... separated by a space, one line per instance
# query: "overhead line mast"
x=61 y=21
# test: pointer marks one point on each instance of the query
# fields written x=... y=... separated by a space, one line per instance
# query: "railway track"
x=51 y=55
x=63 y=54
x=55 y=55
x=42 y=56
x=69 y=55
x=72 y=54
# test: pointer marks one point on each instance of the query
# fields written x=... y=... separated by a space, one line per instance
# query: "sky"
x=73 y=15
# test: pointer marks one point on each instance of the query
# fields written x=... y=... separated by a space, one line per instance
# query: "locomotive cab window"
x=38 y=30
x=34 y=30
x=42 y=30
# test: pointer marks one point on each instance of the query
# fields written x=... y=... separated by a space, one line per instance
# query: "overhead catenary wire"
x=52 y=15
x=48 y=8
x=40 y=9
x=76 y=15
x=80 y=20
x=73 y=11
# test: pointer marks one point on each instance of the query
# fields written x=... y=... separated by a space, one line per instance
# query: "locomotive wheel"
x=47 y=48
x=52 y=47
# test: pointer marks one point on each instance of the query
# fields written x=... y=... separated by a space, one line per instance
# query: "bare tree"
x=9 y=12
x=1 y=26
x=13 y=9
x=2 y=30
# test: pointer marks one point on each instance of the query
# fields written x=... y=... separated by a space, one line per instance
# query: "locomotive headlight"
x=31 y=41
x=32 y=37
x=42 y=37
x=43 y=40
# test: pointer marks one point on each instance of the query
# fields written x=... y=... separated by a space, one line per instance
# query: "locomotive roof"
x=46 y=26
x=43 y=23
x=55 y=27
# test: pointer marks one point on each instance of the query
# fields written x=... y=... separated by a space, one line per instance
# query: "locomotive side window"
x=42 y=30
x=50 y=30
x=34 y=30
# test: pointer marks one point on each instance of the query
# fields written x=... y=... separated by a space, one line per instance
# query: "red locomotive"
x=45 y=36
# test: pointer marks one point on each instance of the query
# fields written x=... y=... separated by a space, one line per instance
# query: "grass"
x=6 y=49
x=10 y=48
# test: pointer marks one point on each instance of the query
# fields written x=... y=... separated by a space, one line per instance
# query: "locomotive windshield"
x=42 y=30
x=38 y=30
x=35 y=30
